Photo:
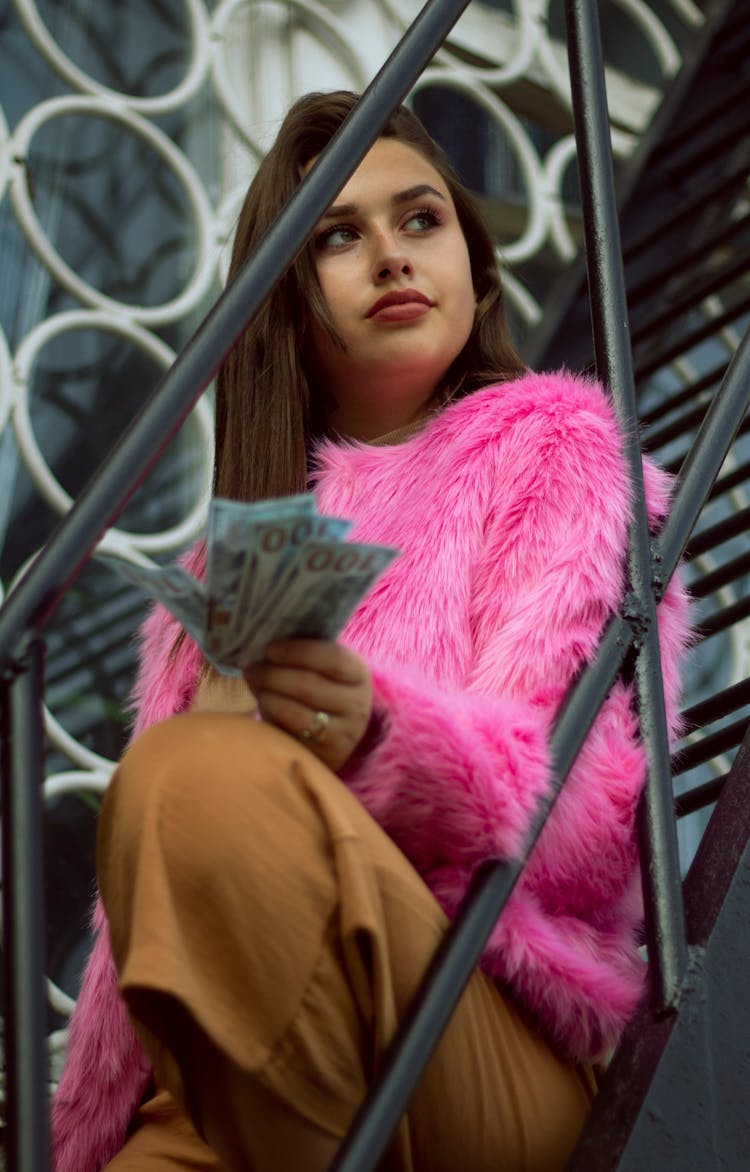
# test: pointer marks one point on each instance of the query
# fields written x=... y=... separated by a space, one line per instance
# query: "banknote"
x=274 y=570
x=274 y=542
x=315 y=597
x=176 y=589
x=233 y=555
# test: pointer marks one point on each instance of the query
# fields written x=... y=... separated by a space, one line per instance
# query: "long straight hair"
x=269 y=412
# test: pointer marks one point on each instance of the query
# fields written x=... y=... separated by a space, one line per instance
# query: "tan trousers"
x=268 y=937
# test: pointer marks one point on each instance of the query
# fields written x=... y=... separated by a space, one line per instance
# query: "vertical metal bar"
x=665 y=919
x=22 y=775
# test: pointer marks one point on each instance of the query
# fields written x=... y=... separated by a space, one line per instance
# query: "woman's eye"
x=422 y=220
x=335 y=236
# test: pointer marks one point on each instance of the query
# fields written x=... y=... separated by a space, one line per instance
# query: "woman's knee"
x=215 y=799
x=201 y=748
x=194 y=770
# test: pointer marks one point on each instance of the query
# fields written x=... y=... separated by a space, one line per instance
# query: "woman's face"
x=395 y=273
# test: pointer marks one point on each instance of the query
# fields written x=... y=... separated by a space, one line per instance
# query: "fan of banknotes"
x=275 y=569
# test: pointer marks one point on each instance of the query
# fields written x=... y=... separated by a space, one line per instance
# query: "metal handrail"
x=29 y=605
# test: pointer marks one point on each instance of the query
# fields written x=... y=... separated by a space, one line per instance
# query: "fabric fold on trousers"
x=243 y=880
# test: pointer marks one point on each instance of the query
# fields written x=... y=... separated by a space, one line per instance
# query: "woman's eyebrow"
x=416 y=193
x=337 y=210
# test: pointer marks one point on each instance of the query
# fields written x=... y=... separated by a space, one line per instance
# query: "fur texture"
x=511 y=509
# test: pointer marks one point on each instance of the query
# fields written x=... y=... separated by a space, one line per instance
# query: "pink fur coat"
x=511 y=509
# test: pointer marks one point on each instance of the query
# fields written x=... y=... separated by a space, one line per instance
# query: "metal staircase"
x=675 y=1095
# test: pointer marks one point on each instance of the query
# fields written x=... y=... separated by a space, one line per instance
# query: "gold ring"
x=316 y=729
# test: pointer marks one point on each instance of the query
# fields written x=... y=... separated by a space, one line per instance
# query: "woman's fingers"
x=331 y=737
x=293 y=717
x=327 y=658
x=307 y=688
x=318 y=688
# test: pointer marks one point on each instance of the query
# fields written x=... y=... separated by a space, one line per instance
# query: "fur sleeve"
x=457 y=774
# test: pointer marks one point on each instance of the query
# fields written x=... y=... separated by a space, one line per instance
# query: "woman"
x=268 y=934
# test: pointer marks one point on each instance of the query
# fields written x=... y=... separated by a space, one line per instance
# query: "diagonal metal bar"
x=22 y=774
x=458 y=953
x=136 y=453
x=660 y=870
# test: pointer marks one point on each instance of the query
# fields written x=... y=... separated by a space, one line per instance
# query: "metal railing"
x=29 y=605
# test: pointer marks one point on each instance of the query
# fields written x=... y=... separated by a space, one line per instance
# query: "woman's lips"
x=403 y=311
x=400 y=305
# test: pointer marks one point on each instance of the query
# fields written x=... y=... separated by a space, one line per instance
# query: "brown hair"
x=268 y=412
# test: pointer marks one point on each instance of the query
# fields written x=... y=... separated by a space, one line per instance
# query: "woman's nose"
x=391 y=262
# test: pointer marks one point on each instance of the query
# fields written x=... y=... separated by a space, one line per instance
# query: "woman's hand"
x=301 y=678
